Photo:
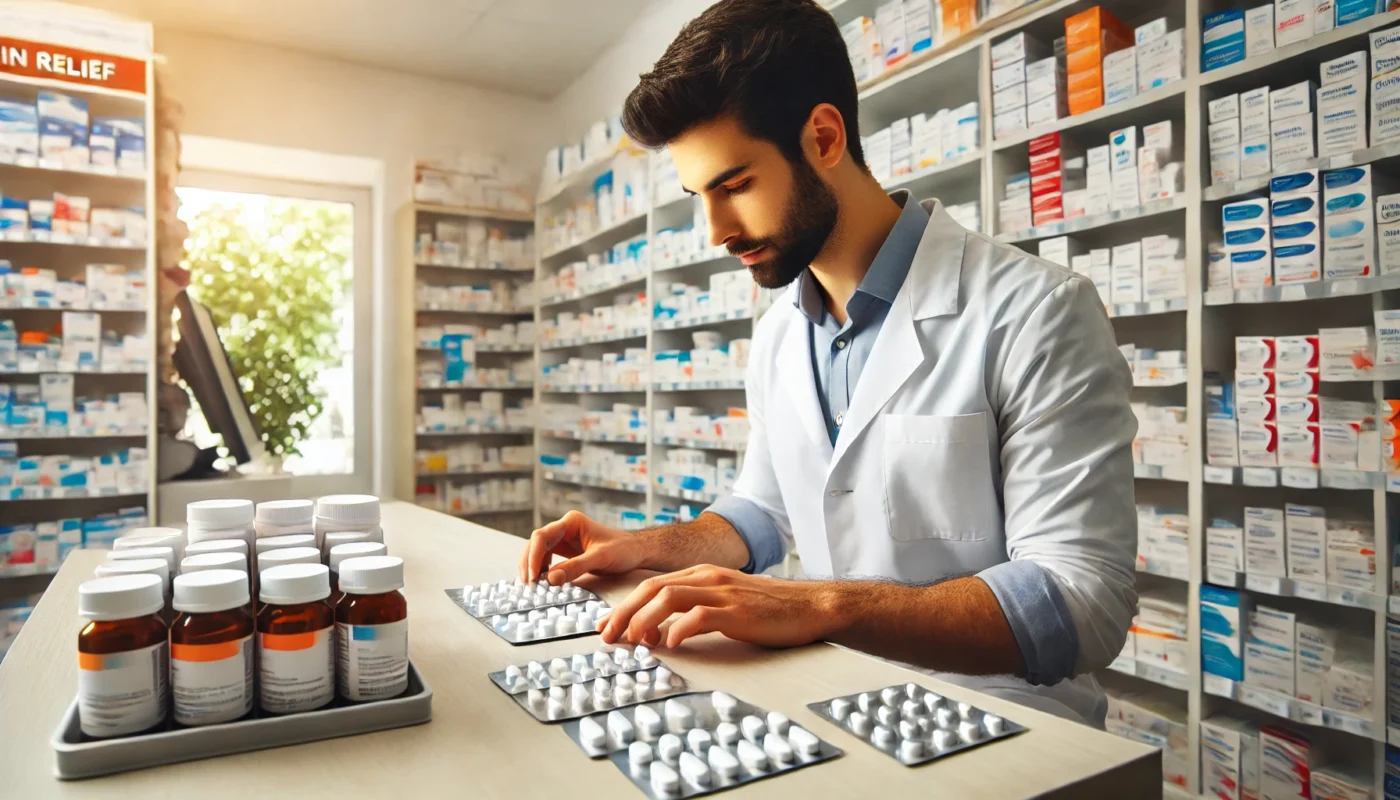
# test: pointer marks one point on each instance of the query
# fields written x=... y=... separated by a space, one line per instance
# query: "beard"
x=808 y=221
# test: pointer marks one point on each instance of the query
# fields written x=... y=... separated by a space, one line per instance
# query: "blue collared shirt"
x=1034 y=607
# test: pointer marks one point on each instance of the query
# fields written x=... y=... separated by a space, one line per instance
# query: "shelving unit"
x=462 y=268
x=128 y=92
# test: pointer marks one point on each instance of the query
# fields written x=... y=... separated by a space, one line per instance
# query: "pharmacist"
x=938 y=422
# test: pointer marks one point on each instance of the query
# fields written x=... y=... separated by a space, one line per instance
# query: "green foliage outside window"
x=272 y=277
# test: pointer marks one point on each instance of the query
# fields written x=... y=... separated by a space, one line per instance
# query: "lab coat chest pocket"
x=938 y=478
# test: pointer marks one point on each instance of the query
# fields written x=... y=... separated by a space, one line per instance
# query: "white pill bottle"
x=283 y=518
x=348 y=513
x=220 y=519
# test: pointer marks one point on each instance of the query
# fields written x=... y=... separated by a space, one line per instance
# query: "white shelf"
x=496 y=469
x=921 y=180
x=1293 y=709
x=474 y=431
x=434 y=308
x=1368 y=155
x=595 y=483
x=700 y=386
x=1305 y=590
x=1294 y=477
x=1174 y=572
x=452 y=387
x=67 y=369
x=85 y=170
x=700 y=444
x=719 y=254
x=14 y=304
x=1158 y=383
x=69 y=240
x=596 y=438
x=41 y=493
x=602 y=338
x=1163 y=95
x=585 y=173
x=625 y=228
x=1290 y=51
x=1148 y=309
x=474 y=212
x=1080 y=224
x=477 y=268
x=595 y=388
x=1151 y=672
x=80 y=433
x=1294 y=292
x=684 y=323
x=481 y=512
x=1157 y=472
x=583 y=294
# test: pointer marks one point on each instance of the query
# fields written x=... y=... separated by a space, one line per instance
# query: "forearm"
x=710 y=539
x=954 y=626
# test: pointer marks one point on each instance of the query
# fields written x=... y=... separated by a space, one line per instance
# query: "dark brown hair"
x=768 y=62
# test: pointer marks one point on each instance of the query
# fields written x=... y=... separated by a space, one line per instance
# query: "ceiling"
x=529 y=47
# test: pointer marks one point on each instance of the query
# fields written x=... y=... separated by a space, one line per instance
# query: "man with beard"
x=938 y=422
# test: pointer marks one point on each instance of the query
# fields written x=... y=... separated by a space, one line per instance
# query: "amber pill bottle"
x=371 y=623
x=341 y=552
x=211 y=648
x=123 y=655
x=296 y=639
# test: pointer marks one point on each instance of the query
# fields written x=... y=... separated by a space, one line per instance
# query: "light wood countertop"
x=481 y=744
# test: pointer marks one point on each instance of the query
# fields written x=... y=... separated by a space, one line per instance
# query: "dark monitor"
x=202 y=362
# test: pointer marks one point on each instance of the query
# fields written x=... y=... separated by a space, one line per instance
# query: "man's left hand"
x=763 y=611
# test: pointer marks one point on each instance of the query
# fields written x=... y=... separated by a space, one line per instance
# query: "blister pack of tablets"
x=698 y=743
x=504 y=597
x=568 y=689
x=913 y=725
x=539 y=623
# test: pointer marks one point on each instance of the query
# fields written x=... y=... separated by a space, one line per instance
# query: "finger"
x=670 y=599
x=698 y=620
x=543 y=541
x=593 y=560
x=622 y=612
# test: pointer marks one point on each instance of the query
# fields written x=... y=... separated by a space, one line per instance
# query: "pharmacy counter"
x=481 y=744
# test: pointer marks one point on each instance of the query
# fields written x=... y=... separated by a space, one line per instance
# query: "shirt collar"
x=887 y=272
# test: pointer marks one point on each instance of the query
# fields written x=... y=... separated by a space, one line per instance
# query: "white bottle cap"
x=371 y=574
x=165 y=553
x=146 y=537
x=288 y=555
x=120 y=597
x=333 y=539
x=158 y=567
x=218 y=546
x=211 y=590
x=358 y=508
x=294 y=583
x=201 y=562
x=341 y=552
x=284 y=512
x=214 y=514
x=269 y=543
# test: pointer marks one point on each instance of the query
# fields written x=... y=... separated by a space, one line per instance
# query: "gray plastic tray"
x=77 y=756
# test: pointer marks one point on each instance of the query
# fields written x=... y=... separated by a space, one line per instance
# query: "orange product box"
x=959 y=17
x=1389 y=419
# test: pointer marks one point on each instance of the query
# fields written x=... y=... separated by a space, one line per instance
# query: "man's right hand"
x=587 y=546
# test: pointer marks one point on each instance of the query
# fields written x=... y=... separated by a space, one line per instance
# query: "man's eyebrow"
x=722 y=177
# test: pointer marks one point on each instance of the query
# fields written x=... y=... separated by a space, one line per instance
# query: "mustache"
x=739 y=247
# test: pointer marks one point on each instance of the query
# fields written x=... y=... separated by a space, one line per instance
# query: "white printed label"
x=212 y=682
x=296 y=671
x=122 y=693
x=372 y=660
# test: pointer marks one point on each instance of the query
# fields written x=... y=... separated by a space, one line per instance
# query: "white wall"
x=252 y=93
x=599 y=92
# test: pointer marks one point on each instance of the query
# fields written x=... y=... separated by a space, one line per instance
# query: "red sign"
x=71 y=65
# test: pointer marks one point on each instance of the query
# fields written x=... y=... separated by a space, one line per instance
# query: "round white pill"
x=912 y=691
x=579 y=662
x=587 y=674
x=535 y=698
x=639 y=753
x=592 y=605
x=497 y=621
x=517 y=684
x=911 y=749
x=558 y=667
x=485 y=607
x=642 y=677
x=695 y=771
x=524 y=604
x=554 y=708
x=620 y=728
x=513 y=672
x=620 y=657
x=554 y=612
x=603 y=702
x=679 y=716
x=649 y=662
x=557 y=693
x=727 y=733
x=993 y=724
x=510 y=630
x=468 y=589
x=642 y=692
x=545 y=628
x=778 y=723
x=891 y=696
x=578 y=697
x=627 y=664
x=505 y=606
x=577 y=594
x=932 y=701
x=663 y=674
x=723 y=762
x=648 y=722
x=669 y=747
x=840 y=708
x=622 y=695
x=858 y=723
x=887 y=716
x=698 y=740
x=946 y=717
x=641 y=651
x=625 y=681
x=753 y=728
x=535 y=615
x=803 y=741
x=867 y=701
x=602 y=686
x=605 y=667
x=525 y=631
x=600 y=658
x=909 y=709
x=591 y=735
x=752 y=757
x=944 y=739
x=882 y=737
x=517 y=618
x=966 y=710
x=777 y=748
x=908 y=729
x=926 y=725
x=664 y=780
x=969 y=731
x=564 y=625
x=724 y=705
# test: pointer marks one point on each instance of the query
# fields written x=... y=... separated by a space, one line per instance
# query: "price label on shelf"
x=1260 y=476
x=1221 y=475
x=1343 y=287
x=1217 y=685
x=1310 y=591
x=1249 y=295
x=1346 y=479
x=1266 y=701
x=1219 y=297
x=1296 y=291
x=1298 y=477
x=1263 y=583
x=1351 y=723
x=1220 y=577
x=1309 y=713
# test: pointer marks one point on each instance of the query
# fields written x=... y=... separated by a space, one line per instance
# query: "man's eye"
x=736 y=188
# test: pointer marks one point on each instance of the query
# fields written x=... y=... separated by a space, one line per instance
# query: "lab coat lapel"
x=795 y=375
x=931 y=290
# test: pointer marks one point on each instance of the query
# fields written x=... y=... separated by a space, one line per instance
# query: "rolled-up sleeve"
x=756 y=528
x=1067 y=428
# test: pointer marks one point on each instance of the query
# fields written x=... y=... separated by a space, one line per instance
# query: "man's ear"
x=824 y=137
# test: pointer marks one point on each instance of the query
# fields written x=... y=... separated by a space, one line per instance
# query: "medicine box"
x=1385 y=51
x=1258 y=31
x=1222 y=39
x=1305 y=529
x=1292 y=101
x=1223 y=108
x=1354 y=65
x=1223 y=616
x=1293 y=21
x=1017 y=47
x=1264 y=549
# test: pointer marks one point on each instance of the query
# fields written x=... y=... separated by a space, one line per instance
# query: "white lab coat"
x=991 y=422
